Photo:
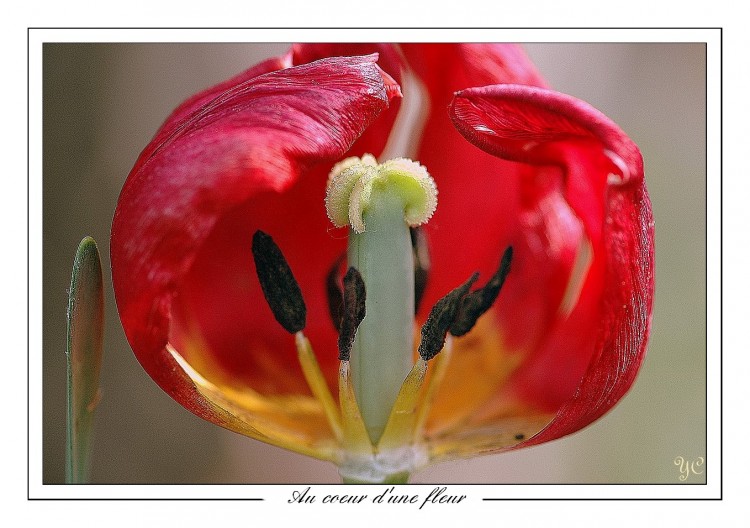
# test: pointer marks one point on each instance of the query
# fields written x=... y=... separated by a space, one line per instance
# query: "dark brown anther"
x=441 y=318
x=421 y=264
x=353 y=311
x=479 y=301
x=334 y=293
x=279 y=286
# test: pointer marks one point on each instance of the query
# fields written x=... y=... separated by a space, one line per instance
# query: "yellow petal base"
x=420 y=429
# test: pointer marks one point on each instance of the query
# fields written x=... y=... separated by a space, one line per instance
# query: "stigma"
x=355 y=184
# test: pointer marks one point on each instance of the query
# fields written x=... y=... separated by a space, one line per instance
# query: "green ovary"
x=380 y=202
x=382 y=353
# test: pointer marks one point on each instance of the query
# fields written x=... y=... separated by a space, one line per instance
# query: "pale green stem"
x=398 y=478
x=382 y=353
x=84 y=357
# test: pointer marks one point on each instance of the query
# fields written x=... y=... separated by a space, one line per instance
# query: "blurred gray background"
x=103 y=103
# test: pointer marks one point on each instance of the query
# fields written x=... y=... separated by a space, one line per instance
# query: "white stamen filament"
x=406 y=133
x=583 y=259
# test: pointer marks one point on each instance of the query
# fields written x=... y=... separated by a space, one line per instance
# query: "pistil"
x=380 y=203
x=381 y=357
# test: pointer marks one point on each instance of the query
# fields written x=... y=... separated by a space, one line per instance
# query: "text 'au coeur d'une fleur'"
x=438 y=495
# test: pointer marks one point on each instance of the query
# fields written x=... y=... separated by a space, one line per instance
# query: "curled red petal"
x=506 y=207
x=462 y=172
x=194 y=103
x=374 y=139
x=596 y=351
x=242 y=142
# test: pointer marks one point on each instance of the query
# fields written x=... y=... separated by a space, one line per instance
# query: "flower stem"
x=84 y=357
x=397 y=478
x=382 y=353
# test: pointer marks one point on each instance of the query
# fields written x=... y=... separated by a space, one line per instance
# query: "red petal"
x=375 y=137
x=590 y=359
x=463 y=237
x=445 y=68
x=196 y=102
x=214 y=172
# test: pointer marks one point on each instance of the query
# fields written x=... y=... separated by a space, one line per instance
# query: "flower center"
x=384 y=396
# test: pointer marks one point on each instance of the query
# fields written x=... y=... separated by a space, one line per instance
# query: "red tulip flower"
x=492 y=294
